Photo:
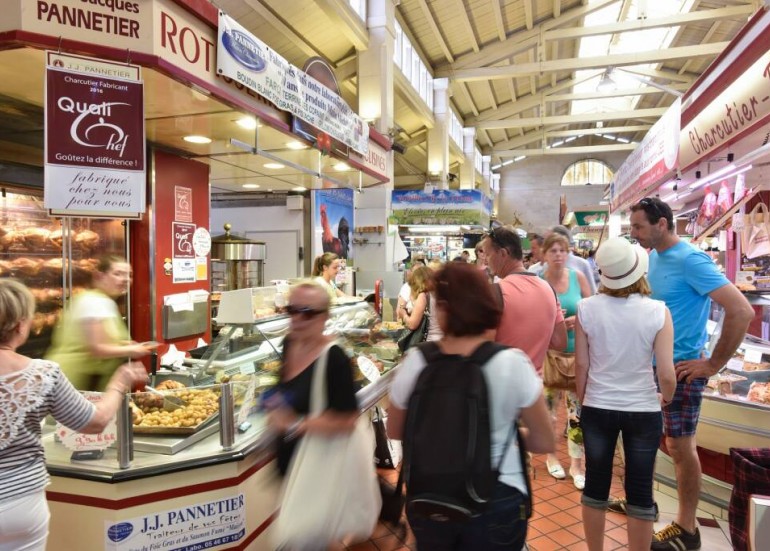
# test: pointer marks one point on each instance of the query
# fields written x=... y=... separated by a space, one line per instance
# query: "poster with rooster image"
x=333 y=222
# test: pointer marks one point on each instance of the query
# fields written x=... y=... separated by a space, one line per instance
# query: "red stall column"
x=178 y=202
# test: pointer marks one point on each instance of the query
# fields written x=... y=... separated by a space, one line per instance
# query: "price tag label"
x=368 y=368
x=248 y=401
x=753 y=355
x=248 y=368
x=735 y=364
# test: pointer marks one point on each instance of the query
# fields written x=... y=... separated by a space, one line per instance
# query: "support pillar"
x=438 y=136
x=468 y=168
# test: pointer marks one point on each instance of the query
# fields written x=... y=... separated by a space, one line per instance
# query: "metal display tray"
x=169 y=444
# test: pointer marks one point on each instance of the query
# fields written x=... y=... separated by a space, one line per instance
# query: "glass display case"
x=736 y=403
x=208 y=412
x=54 y=257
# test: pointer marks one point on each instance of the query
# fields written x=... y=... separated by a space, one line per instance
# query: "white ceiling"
x=522 y=72
x=517 y=67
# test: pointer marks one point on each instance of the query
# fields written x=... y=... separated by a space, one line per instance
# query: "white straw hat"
x=620 y=263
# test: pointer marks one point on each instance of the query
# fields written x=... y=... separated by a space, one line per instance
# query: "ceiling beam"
x=643 y=24
x=282 y=26
x=521 y=41
x=460 y=8
x=576 y=64
x=464 y=91
x=347 y=21
x=592 y=131
x=434 y=28
x=499 y=25
x=528 y=17
x=571 y=119
x=579 y=150
x=644 y=90
x=526 y=102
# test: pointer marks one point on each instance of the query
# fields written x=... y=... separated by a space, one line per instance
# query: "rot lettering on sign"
x=183 y=239
x=184 y=40
x=183 y=204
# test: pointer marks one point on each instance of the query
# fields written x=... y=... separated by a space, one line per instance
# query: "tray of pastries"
x=201 y=408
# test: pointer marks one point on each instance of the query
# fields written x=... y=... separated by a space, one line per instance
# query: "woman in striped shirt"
x=29 y=391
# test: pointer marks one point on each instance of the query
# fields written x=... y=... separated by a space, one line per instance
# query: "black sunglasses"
x=495 y=238
x=305 y=311
x=651 y=207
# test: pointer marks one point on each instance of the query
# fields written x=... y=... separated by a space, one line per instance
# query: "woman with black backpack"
x=459 y=393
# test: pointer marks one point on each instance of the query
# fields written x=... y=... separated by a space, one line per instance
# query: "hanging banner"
x=653 y=160
x=743 y=105
x=333 y=218
x=446 y=206
x=94 y=145
x=246 y=59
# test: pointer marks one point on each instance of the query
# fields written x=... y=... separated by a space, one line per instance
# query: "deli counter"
x=178 y=474
x=735 y=413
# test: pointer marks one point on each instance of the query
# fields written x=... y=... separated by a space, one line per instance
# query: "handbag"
x=383 y=451
x=393 y=500
x=559 y=370
x=418 y=335
x=756 y=235
x=330 y=491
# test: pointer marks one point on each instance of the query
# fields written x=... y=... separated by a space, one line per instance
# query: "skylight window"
x=620 y=43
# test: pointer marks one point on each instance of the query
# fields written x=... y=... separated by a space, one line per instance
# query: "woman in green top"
x=570 y=286
x=92 y=339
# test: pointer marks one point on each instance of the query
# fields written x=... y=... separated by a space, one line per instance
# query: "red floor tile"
x=556 y=523
x=544 y=543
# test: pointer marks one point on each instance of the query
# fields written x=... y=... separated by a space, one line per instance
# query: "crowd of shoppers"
x=640 y=362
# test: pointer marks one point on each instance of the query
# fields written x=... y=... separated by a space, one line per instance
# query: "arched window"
x=587 y=172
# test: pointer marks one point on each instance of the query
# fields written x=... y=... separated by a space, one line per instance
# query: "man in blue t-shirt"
x=686 y=279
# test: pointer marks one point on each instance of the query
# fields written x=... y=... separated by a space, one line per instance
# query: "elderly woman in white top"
x=616 y=334
x=29 y=391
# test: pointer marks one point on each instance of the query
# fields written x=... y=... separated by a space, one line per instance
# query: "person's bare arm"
x=413 y=320
x=125 y=378
x=396 y=420
x=559 y=335
x=581 y=360
x=585 y=287
x=738 y=315
x=99 y=345
x=664 y=359
x=538 y=432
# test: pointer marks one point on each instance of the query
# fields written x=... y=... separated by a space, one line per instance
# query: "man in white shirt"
x=536 y=246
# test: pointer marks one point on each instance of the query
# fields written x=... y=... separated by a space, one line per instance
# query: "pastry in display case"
x=32 y=250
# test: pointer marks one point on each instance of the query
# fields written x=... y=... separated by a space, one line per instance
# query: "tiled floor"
x=556 y=521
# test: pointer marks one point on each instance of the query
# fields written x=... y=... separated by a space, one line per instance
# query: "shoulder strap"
x=485 y=352
x=318 y=384
x=499 y=295
x=430 y=351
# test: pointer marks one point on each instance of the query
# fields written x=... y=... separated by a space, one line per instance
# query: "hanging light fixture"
x=607 y=84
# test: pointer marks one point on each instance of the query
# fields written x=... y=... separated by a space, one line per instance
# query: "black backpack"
x=447 y=457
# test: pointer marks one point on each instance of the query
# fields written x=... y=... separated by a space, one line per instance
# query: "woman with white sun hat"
x=616 y=333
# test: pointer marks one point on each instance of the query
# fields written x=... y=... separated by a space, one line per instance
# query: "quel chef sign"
x=94 y=144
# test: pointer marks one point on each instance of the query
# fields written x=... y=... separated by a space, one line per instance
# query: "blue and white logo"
x=244 y=50
x=119 y=532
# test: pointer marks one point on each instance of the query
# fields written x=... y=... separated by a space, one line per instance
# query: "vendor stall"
x=197 y=468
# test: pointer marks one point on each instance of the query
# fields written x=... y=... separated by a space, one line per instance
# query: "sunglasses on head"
x=651 y=207
x=305 y=311
x=495 y=238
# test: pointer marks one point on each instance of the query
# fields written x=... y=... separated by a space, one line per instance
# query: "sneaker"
x=675 y=538
x=619 y=506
